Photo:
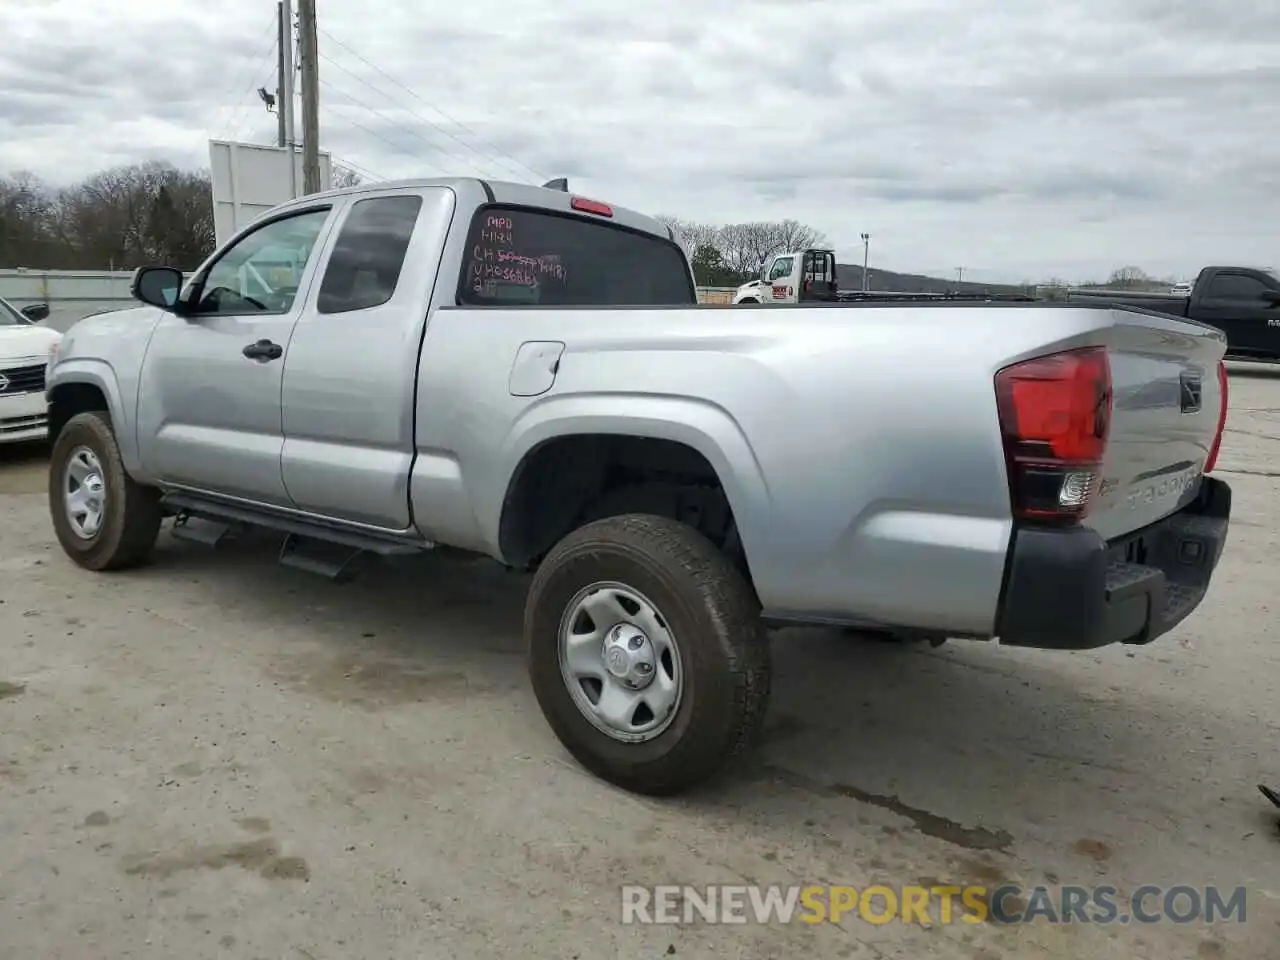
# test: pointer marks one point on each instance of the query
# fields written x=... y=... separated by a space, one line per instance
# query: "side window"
x=781 y=268
x=364 y=267
x=261 y=273
x=1228 y=286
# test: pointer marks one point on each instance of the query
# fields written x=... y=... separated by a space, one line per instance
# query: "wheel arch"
x=579 y=442
x=82 y=385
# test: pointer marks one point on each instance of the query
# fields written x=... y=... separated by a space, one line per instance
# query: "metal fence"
x=70 y=294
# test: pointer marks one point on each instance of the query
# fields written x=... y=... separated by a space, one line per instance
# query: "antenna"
x=560 y=183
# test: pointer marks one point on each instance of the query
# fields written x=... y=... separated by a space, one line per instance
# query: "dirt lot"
x=217 y=757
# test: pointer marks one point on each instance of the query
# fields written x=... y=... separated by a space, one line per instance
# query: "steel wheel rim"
x=84 y=493
x=620 y=662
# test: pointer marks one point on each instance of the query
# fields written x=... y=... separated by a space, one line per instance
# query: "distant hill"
x=849 y=277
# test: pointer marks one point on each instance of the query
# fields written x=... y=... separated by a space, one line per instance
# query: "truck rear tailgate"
x=1166 y=404
x=1153 y=527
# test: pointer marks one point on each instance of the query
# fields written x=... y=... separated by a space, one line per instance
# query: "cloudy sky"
x=1020 y=140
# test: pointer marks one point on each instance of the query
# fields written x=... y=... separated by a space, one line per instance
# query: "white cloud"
x=1017 y=140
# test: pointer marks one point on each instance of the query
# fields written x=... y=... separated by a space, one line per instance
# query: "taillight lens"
x=1212 y=460
x=1055 y=415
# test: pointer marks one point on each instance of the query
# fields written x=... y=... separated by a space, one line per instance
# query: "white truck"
x=794 y=277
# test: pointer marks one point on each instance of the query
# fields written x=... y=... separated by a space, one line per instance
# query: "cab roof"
x=548 y=196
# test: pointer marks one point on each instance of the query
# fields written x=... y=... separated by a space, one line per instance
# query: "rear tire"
x=114 y=522
x=693 y=616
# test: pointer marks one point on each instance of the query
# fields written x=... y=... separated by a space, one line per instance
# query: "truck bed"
x=859 y=443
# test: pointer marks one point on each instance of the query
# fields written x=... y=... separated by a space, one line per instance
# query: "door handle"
x=263 y=351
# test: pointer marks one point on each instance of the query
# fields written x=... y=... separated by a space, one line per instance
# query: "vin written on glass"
x=495 y=259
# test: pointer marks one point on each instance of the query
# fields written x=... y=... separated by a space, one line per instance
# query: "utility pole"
x=286 y=96
x=282 y=40
x=866 y=257
x=310 y=96
x=959 y=274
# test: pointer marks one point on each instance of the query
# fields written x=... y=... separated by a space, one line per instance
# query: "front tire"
x=646 y=653
x=103 y=519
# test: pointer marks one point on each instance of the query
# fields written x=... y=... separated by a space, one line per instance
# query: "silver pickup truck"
x=522 y=373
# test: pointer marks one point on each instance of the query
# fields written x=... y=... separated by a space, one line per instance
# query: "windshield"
x=9 y=315
x=517 y=256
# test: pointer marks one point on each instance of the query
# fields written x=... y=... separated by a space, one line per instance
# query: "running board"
x=330 y=560
x=229 y=517
x=207 y=532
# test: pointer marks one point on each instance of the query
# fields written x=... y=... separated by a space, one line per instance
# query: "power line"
x=453 y=120
x=390 y=143
x=429 y=123
x=408 y=130
x=352 y=165
x=245 y=126
x=222 y=106
x=236 y=111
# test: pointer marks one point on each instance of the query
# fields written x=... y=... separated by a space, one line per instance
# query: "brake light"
x=1055 y=417
x=1212 y=460
x=591 y=206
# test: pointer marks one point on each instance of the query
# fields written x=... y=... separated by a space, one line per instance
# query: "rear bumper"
x=1071 y=590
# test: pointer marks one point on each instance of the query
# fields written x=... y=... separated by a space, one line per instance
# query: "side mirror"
x=36 y=312
x=156 y=286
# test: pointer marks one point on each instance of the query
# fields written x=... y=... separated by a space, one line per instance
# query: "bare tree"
x=1129 y=278
x=124 y=217
x=26 y=207
x=689 y=234
x=745 y=246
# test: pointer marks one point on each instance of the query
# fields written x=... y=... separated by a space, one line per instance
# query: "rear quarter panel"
x=859 y=447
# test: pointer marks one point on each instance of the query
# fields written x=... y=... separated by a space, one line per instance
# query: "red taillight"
x=1212 y=460
x=1055 y=414
x=591 y=206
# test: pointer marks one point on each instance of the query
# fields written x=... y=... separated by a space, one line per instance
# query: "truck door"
x=1233 y=302
x=209 y=390
x=349 y=382
x=782 y=282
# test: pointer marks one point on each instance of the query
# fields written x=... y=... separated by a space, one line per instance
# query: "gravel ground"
x=218 y=757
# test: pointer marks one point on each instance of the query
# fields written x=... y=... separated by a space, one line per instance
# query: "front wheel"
x=646 y=652
x=102 y=518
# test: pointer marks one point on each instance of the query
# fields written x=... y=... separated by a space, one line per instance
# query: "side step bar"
x=330 y=560
x=324 y=549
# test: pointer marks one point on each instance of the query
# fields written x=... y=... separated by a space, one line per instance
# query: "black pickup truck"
x=1242 y=302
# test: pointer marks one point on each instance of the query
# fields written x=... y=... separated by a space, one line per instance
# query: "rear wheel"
x=646 y=652
x=102 y=518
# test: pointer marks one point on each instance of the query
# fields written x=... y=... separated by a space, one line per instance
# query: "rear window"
x=520 y=256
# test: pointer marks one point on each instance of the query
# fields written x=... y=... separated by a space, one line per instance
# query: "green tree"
x=709 y=268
